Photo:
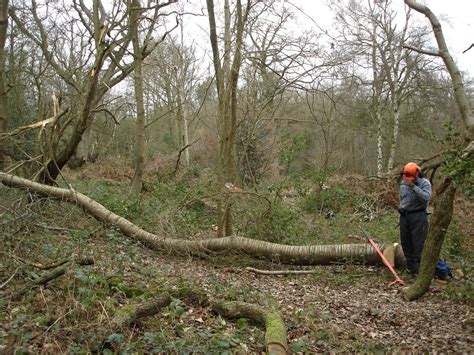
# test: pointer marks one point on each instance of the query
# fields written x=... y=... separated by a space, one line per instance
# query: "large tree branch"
x=275 y=336
x=422 y=51
x=456 y=78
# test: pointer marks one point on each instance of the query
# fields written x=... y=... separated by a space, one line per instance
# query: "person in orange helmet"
x=415 y=195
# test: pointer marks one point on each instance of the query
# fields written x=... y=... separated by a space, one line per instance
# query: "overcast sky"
x=456 y=16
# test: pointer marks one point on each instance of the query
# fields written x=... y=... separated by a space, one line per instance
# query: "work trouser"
x=413 y=231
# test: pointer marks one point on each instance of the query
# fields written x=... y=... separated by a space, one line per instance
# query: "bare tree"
x=378 y=48
x=227 y=76
x=172 y=75
x=3 y=93
x=134 y=18
x=98 y=59
x=263 y=89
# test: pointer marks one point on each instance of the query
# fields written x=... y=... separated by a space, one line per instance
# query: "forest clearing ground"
x=340 y=308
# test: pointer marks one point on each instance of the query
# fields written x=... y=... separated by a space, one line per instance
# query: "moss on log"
x=133 y=312
x=275 y=330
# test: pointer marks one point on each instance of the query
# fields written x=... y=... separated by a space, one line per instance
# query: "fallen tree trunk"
x=275 y=330
x=288 y=254
x=133 y=312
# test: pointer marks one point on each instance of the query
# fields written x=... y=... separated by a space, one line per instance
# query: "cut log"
x=288 y=254
x=275 y=330
x=133 y=312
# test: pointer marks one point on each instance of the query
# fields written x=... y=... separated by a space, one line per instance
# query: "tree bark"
x=444 y=207
x=275 y=334
x=441 y=218
x=288 y=254
x=227 y=76
x=393 y=146
x=140 y=139
x=459 y=91
x=377 y=98
x=133 y=312
x=3 y=93
x=379 y=118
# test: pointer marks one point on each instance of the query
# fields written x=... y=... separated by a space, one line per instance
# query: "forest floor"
x=339 y=308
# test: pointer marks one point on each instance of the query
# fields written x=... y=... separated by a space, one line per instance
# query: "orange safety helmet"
x=411 y=171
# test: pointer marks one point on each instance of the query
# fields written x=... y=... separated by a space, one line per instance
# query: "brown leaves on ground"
x=336 y=312
x=341 y=308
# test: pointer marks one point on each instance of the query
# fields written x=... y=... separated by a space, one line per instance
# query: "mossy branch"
x=133 y=312
x=275 y=334
x=54 y=274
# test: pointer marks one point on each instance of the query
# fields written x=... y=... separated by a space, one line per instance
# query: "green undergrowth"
x=313 y=213
x=74 y=311
x=184 y=209
x=72 y=314
x=172 y=209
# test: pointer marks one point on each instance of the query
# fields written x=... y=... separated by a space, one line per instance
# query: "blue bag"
x=442 y=271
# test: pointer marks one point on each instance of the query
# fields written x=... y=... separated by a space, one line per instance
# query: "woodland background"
x=310 y=128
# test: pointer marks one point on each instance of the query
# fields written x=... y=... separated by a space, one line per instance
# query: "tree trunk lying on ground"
x=275 y=329
x=275 y=335
x=133 y=312
x=288 y=254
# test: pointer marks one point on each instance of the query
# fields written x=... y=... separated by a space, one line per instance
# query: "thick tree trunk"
x=3 y=93
x=227 y=76
x=288 y=254
x=86 y=149
x=440 y=220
